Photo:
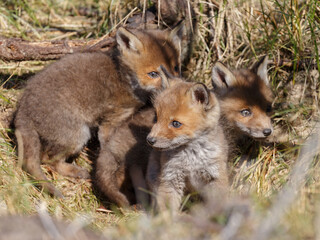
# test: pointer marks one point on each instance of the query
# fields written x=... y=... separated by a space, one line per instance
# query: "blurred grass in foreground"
x=235 y=32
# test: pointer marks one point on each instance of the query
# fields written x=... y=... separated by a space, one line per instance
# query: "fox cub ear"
x=177 y=34
x=200 y=94
x=165 y=76
x=128 y=41
x=167 y=79
x=260 y=68
x=221 y=76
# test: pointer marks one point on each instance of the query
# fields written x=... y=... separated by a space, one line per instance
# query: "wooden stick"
x=14 y=49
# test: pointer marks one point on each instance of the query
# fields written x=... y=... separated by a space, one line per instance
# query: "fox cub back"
x=193 y=150
x=62 y=102
x=245 y=98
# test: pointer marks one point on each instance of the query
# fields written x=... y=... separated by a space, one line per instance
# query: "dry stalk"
x=317 y=222
x=288 y=194
x=218 y=29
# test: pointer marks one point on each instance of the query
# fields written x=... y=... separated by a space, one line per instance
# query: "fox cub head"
x=245 y=98
x=143 y=51
x=184 y=111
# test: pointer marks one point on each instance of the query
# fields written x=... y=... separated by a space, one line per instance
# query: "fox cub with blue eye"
x=245 y=98
x=91 y=89
x=190 y=150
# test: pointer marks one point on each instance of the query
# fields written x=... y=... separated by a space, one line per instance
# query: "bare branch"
x=13 y=49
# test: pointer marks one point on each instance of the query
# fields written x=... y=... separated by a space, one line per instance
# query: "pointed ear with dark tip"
x=165 y=76
x=261 y=69
x=200 y=94
x=221 y=76
x=177 y=34
x=128 y=41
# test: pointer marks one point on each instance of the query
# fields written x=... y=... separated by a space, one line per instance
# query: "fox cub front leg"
x=170 y=190
x=107 y=167
x=107 y=179
x=168 y=198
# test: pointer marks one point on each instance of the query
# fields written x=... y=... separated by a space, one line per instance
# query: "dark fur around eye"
x=176 y=124
x=153 y=74
x=246 y=112
x=269 y=109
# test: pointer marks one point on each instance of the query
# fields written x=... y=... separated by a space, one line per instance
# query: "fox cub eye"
x=155 y=119
x=246 y=112
x=176 y=124
x=176 y=69
x=153 y=74
x=269 y=109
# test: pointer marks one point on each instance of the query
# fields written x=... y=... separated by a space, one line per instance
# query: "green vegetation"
x=234 y=32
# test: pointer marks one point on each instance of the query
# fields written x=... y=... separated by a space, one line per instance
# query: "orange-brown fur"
x=123 y=183
x=62 y=102
x=129 y=149
x=194 y=152
x=177 y=106
x=245 y=89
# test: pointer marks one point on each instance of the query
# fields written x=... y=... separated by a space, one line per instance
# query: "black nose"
x=267 y=131
x=151 y=140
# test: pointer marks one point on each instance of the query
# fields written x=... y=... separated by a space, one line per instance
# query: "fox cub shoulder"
x=193 y=150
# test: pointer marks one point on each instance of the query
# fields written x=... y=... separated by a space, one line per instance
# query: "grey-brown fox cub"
x=193 y=149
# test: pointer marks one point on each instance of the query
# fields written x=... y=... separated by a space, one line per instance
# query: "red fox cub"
x=245 y=99
x=120 y=176
x=193 y=150
x=62 y=102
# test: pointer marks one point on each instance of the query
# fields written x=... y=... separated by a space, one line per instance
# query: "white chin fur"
x=166 y=144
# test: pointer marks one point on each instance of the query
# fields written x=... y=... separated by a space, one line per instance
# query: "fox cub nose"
x=151 y=140
x=267 y=131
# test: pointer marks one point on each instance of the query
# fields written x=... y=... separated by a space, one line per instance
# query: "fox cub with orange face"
x=245 y=99
x=193 y=150
x=62 y=102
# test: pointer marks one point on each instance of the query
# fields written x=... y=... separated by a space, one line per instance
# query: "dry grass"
x=235 y=32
